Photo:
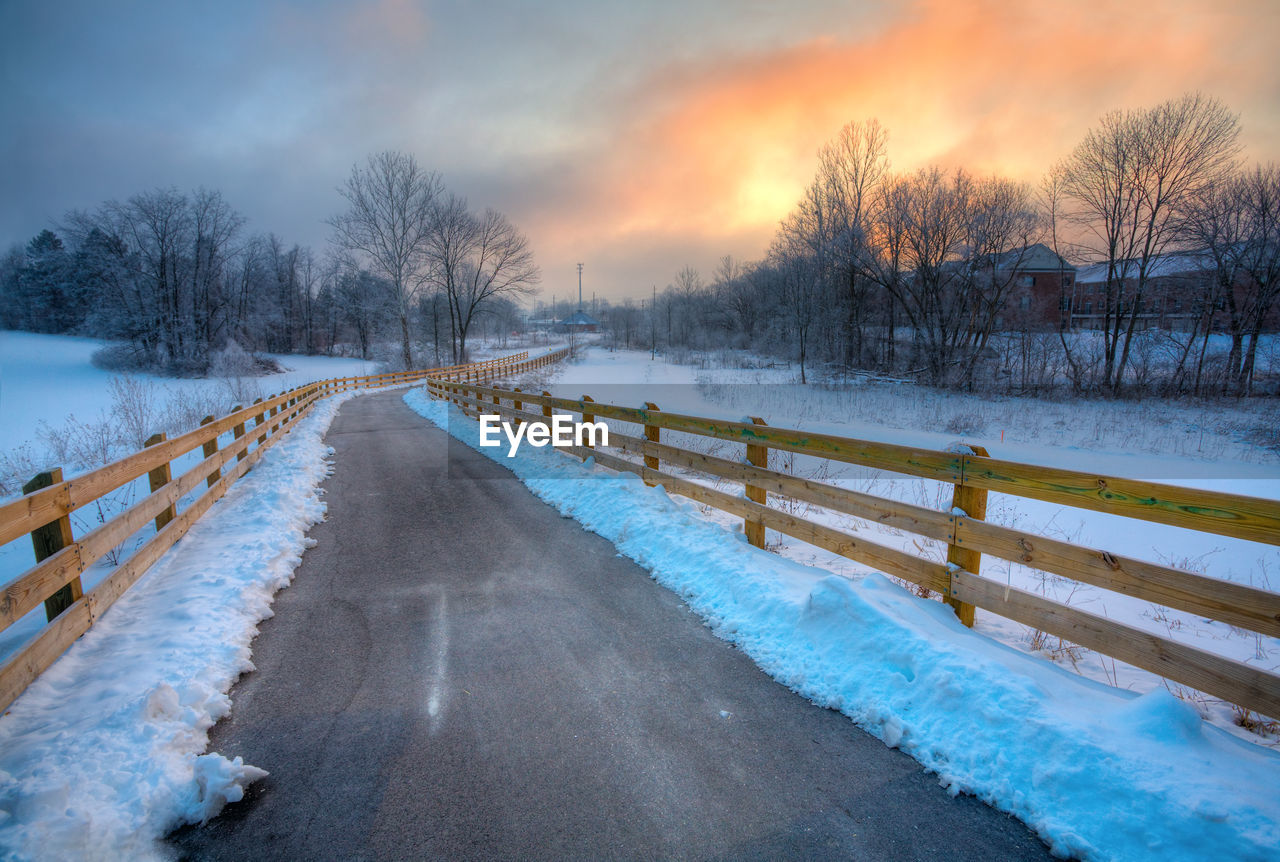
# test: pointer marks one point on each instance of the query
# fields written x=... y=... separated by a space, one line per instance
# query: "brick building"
x=1174 y=298
x=1041 y=278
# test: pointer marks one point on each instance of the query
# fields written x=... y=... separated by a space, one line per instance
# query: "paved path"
x=458 y=672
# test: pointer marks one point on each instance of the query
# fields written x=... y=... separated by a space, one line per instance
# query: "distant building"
x=1172 y=298
x=1041 y=280
x=1178 y=289
x=579 y=321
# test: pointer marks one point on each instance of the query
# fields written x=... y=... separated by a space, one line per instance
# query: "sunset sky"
x=635 y=137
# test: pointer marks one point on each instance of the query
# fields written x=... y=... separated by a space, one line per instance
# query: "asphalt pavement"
x=458 y=672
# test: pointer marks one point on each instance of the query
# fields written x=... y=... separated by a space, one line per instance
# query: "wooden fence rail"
x=61 y=558
x=963 y=529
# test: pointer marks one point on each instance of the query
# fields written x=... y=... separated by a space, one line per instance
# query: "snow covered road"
x=459 y=672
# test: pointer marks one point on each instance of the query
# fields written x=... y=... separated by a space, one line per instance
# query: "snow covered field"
x=1099 y=772
x=90 y=417
x=103 y=753
x=45 y=378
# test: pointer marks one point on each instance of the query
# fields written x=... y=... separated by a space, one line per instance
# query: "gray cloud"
x=558 y=113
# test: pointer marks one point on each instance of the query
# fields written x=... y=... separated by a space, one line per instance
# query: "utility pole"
x=579 y=287
x=653 y=326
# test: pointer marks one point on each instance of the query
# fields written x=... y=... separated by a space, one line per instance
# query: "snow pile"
x=102 y=755
x=1098 y=772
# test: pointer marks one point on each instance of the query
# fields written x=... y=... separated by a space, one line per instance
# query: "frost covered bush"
x=232 y=361
x=236 y=371
x=133 y=407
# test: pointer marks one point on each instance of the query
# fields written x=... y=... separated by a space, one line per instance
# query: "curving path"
x=458 y=672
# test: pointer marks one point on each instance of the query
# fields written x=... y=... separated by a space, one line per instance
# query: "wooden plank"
x=1236 y=515
x=1233 y=681
x=1236 y=604
x=29 y=589
x=42 y=650
x=885 y=559
x=90 y=486
x=19 y=517
x=890 y=513
x=904 y=516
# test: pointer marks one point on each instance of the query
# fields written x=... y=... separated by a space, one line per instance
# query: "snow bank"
x=1097 y=772
x=102 y=755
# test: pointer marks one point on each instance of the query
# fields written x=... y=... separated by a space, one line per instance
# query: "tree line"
x=915 y=272
x=174 y=278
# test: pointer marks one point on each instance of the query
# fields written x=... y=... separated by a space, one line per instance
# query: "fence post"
x=259 y=419
x=48 y=540
x=158 y=478
x=517 y=405
x=211 y=448
x=588 y=417
x=652 y=433
x=973 y=502
x=546 y=408
x=757 y=456
x=238 y=430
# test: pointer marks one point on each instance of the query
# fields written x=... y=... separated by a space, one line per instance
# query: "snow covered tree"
x=388 y=225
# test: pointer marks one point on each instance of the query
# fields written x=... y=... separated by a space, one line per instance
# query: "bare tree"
x=851 y=166
x=495 y=261
x=1131 y=181
x=453 y=234
x=388 y=222
x=1002 y=225
x=1238 y=224
x=933 y=210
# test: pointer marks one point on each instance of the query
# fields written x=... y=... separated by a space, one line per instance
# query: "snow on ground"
x=50 y=379
x=1099 y=772
x=104 y=753
x=43 y=378
x=1151 y=441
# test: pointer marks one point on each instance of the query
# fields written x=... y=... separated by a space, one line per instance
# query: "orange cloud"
x=721 y=148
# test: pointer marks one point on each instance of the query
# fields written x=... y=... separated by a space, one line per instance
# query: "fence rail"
x=962 y=527
x=61 y=558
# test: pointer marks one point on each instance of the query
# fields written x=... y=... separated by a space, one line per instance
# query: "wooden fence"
x=48 y=501
x=961 y=527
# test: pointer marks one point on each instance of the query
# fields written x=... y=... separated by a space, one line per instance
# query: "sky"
x=635 y=137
